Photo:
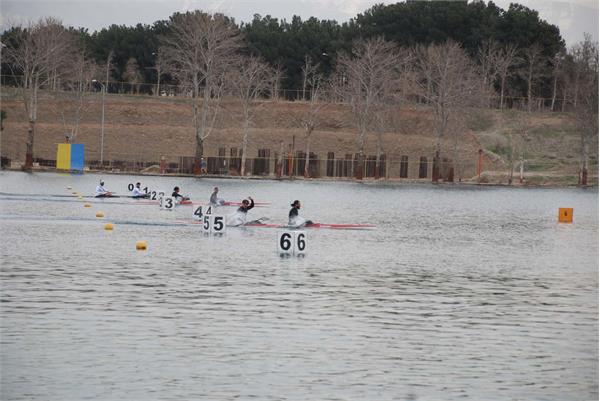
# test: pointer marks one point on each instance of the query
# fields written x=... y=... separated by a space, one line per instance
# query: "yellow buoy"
x=99 y=214
x=87 y=205
x=79 y=197
x=108 y=226
x=141 y=245
x=565 y=214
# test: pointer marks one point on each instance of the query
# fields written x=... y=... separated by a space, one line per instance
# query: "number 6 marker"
x=291 y=243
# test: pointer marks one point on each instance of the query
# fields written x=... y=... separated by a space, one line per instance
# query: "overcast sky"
x=573 y=17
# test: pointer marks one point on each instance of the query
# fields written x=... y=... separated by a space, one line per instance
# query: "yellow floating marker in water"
x=141 y=245
x=74 y=193
x=87 y=205
x=108 y=227
x=79 y=197
x=565 y=214
x=99 y=214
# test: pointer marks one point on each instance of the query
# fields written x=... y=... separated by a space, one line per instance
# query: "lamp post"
x=102 y=126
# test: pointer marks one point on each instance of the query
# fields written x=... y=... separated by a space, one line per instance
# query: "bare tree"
x=250 y=79
x=309 y=69
x=77 y=82
x=505 y=60
x=487 y=54
x=311 y=119
x=132 y=74
x=449 y=82
x=109 y=68
x=159 y=64
x=557 y=73
x=585 y=58
x=198 y=49
x=368 y=75
x=533 y=58
x=276 y=81
x=39 y=55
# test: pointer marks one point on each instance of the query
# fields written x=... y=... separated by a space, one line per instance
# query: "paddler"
x=102 y=192
x=294 y=220
x=137 y=191
x=178 y=197
x=239 y=217
x=215 y=200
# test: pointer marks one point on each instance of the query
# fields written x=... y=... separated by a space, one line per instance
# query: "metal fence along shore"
x=334 y=168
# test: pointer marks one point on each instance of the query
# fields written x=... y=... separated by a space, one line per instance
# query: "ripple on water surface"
x=458 y=293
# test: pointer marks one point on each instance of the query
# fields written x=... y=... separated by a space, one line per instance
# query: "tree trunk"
x=360 y=166
x=553 y=94
x=198 y=155
x=510 y=161
x=378 y=157
x=279 y=167
x=502 y=82
x=584 y=161
x=521 y=168
x=529 y=78
x=435 y=170
x=29 y=146
x=244 y=149
x=199 y=140
x=307 y=162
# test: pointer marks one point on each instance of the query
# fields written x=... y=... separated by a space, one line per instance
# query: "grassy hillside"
x=142 y=128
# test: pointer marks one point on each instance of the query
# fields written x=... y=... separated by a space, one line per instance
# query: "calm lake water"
x=459 y=293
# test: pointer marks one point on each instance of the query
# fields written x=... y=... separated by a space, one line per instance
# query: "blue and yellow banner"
x=70 y=156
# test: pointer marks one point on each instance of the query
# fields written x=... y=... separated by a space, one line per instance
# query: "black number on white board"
x=284 y=241
x=218 y=223
x=301 y=242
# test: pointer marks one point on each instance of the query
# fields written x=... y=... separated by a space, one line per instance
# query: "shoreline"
x=364 y=181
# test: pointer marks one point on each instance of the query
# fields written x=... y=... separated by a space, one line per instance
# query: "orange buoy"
x=565 y=214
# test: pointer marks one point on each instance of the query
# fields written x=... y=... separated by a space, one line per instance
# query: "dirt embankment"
x=142 y=128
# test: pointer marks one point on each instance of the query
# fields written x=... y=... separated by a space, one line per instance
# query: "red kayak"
x=316 y=225
x=236 y=204
x=152 y=202
x=313 y=225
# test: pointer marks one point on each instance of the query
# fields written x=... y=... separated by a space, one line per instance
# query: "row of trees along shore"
x=452 y=56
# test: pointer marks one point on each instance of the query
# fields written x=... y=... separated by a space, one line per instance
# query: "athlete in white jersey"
x=239 y=217
x=138 y=193
x=101 y=191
